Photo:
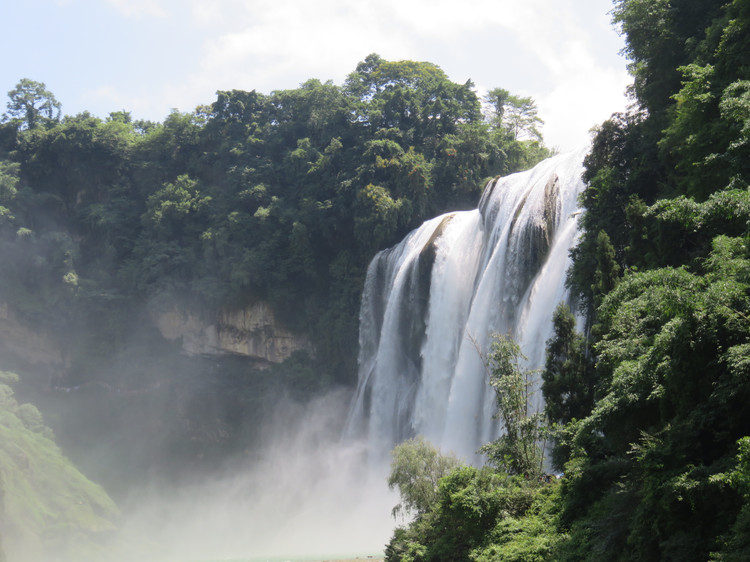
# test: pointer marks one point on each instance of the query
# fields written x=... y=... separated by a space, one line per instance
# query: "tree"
x=516 y=116
x=521 y=119
x=672 y=372
x=517 y=451
x=568 y=374
x=416 y=469
x=475 y=507
x=736 y=542
x=667 y=206
x=32 y=105
x=416 y=98
x=8 y=182
x=497 y=99
x=568 y=381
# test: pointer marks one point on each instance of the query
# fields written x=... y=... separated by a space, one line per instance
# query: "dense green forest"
x=282 y=198
x=279 y=198
x=648 y=403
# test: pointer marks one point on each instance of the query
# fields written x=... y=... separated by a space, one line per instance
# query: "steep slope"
x=49 y=510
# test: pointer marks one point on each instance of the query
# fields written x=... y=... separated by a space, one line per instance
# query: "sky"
x=150 y=57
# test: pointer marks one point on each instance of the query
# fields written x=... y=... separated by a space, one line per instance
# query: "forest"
x=646 y=402
x=284 y=198
x=280 y=199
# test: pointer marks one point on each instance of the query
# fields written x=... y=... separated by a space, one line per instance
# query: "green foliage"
x=174 y=208
x=416 y=468
x=661 y=37
x=473 y=509
x=49 y=509
x=8 y=190
x=621 y=170
x=31 y=105
x=255 y=197
x=681 y=230
x=481 y=514
x=517 y=451
x=413 y=97
x=569 y=381
x=670 y=408
x=735 y=544
x=528 y=535
x=662 y=274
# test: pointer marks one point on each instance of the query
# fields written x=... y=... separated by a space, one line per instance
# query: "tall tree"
x=568 y=374
x=517 y=116
x=32 y=105
x=517 y=451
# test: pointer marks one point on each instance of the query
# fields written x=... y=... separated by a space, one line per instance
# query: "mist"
x=304 y=493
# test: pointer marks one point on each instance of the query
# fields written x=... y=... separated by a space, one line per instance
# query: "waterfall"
x=431 y=302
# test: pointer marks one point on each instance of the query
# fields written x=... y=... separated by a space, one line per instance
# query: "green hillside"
x=49 y=510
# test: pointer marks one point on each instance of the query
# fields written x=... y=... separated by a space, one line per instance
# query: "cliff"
x=251 y=332
x=32 y=346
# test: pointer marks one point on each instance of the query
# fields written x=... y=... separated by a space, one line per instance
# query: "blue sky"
x=151 y=56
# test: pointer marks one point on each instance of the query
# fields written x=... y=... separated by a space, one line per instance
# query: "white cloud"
x=326 y=33
x=114 y=98
x=277 y=44
x=278 y=47
x=563 y=53
x=578 y=103
x=585 y=90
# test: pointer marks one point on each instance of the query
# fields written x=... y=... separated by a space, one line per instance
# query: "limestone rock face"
x=251 y=332
x=33 y=346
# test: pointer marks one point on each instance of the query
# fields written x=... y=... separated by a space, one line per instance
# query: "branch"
x=474 y=342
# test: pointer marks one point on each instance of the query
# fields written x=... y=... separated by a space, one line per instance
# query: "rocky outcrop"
x=32 y=346
x=252 y=332
x=539 y=230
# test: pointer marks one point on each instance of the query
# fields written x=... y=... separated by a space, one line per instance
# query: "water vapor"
x=304 y=494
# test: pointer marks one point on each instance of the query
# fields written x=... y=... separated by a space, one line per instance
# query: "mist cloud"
x=304 y=493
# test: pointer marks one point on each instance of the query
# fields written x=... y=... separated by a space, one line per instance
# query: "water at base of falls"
x=431 y=303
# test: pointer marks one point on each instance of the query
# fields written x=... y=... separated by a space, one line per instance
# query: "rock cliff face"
x=32 y=346
x=251 y=332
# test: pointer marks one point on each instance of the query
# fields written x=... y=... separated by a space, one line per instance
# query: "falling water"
x=431 y=303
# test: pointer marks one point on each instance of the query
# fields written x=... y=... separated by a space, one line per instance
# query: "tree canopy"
x=661 y=272
x=31 y=105
x=282 y=197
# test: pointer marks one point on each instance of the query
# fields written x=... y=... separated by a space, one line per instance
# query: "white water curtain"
x=430 y=301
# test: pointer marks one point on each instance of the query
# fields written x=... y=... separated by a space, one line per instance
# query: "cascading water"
x=431 y=303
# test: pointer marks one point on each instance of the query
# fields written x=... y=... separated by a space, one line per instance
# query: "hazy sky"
x=150 y=56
